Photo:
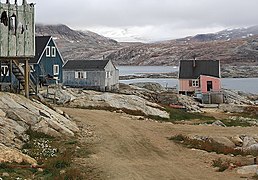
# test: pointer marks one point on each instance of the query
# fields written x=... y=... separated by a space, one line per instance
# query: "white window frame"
x=32 y=69
x=53 y=51
x=4 y=68
x=56 y=69
x=48 y=52
x=195 y=83
x=80 y=75
x=108 y=74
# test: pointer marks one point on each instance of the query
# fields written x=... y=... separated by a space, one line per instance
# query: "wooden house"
x=47 y=63
x=200 y=76
x=17 y=32
x=91 y=74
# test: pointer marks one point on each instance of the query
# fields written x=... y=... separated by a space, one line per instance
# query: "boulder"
x=12 y=155
x=224 y=140
x=237 y=140
x=231 y=108
x=44 y=127
x=2 y=113
x=156 y=87
x=5 y=174
x=18 y=114
x=253 y=147
x=248 y=141
x=251 y=169
x=218 y=123
x=131 y=103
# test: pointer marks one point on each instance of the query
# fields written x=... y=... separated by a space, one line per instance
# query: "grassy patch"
x=223 y=165
x=179 y=115
x=54 y=155
x=220 y=164
x=236 y=122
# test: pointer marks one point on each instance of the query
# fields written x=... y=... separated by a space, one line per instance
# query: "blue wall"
x=45 y=66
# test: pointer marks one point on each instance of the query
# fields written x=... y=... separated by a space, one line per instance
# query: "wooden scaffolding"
x=17 y=43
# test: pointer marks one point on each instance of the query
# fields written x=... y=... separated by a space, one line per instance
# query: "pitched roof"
x=88 y=65
x=40 y=45
x=192 y=69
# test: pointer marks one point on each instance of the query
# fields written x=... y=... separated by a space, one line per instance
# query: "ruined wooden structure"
x=17 y=43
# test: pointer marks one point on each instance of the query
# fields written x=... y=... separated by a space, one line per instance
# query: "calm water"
x=242 y=84
x=137 y=70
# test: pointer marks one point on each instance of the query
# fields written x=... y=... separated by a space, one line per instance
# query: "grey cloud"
x=125 y=13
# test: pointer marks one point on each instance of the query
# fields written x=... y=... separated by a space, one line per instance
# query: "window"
x=56 y=69
x=4 y=18
x=53 y=51
x=32 y=69
x=4 y=70
x=108 y=74
x=12 y=24
x=80 y=75
x=195 y=83
x=48 y=51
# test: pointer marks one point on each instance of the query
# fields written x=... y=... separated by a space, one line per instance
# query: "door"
x=209 y=86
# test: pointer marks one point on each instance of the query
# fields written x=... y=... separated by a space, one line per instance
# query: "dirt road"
x=127 y=148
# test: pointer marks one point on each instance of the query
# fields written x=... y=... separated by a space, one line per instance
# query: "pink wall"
x=184 y=84
x=216 y=83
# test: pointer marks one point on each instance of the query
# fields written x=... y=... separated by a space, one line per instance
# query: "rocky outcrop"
x=245 y=143
x=251 y=169
x=18 y=114
x=104 y=100
x=12 y=155
x=236 y=97
x=189 y=103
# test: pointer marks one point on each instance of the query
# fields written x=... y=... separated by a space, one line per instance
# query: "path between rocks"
x=126 y=148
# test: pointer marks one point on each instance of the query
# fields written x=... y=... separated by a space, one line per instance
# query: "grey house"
x=91 y=74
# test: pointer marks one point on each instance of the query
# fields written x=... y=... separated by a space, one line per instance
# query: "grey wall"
x=94 y=79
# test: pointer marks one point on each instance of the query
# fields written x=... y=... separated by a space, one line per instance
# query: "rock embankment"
x=19 y=114
x=104 y=100
x=243 y=142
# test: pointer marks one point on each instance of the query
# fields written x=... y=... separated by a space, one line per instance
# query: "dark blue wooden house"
x=48 y=62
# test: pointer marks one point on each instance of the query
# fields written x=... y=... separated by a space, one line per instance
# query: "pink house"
x=199 y=76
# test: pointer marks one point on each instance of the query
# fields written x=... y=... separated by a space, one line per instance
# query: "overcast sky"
x=148 y=20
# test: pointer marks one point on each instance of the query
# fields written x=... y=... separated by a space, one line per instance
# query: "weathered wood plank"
x=17 y=39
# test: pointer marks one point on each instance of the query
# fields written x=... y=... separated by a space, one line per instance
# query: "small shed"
x=48 y=62
x=91 y=74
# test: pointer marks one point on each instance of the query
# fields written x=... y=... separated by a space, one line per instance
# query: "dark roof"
x=85 y=65
x=192 y=69
x=40 y=45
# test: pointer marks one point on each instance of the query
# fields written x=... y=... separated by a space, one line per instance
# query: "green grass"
x=37 y=135
x=220 y=164
x=236 y=122
x=179 y=115
x=53 y=154
x=223 y=165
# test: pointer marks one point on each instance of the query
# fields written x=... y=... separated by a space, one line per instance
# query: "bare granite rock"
x=119 y=101
x=251 y=169
x=18 y=114
x=248 y=141
x=11 y=155
x=237 y=140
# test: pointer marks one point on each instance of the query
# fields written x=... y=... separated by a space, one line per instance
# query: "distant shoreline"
x=226 y=72
x=175 y=76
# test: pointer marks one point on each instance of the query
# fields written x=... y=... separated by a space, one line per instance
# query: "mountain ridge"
x=233 y=47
